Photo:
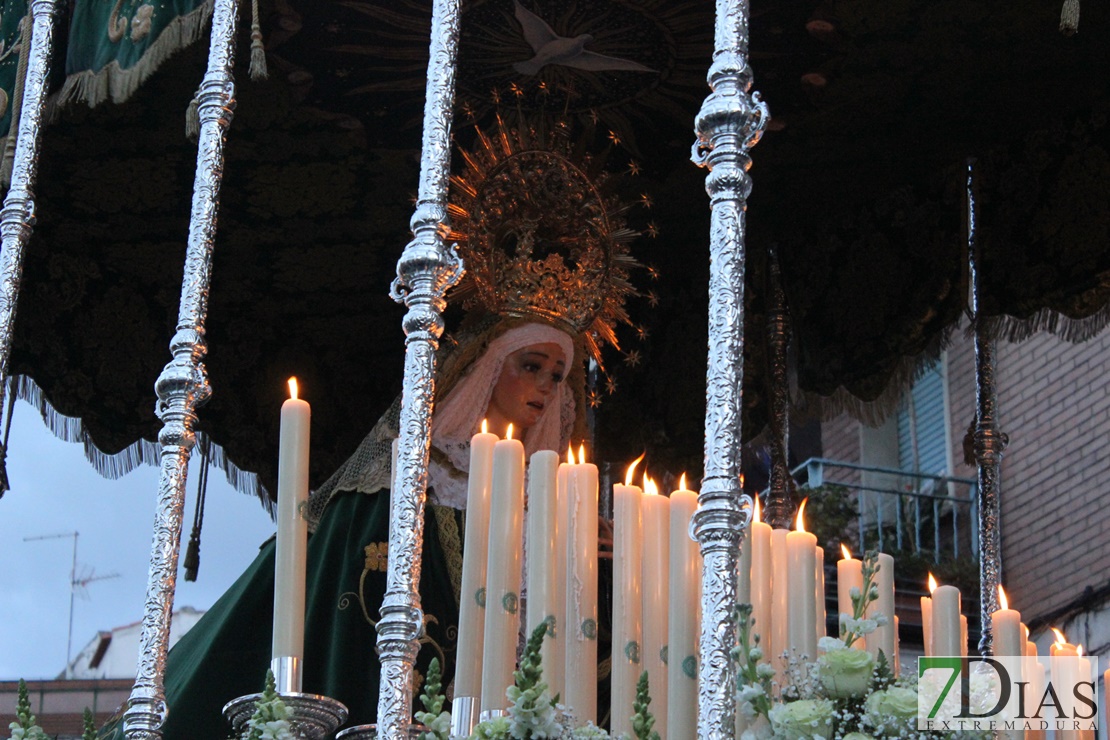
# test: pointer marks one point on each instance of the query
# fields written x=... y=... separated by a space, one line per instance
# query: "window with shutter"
x=923 y=429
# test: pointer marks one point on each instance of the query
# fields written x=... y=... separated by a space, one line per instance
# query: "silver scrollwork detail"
x=989 y=442
x=428 y=268
x=730 y=122
x=18 y=214
x=183 y=383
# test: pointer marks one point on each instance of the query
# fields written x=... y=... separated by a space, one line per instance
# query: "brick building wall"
x=1054 y=403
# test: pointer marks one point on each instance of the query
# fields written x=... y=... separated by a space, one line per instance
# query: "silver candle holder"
x=370 y=732
x=313 y=717
x=464 y=715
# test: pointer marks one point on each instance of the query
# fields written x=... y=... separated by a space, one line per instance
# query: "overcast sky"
x=56 y=490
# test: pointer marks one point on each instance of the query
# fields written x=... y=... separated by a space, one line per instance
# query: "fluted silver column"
x=18 y=214
x=183 y=384
x=426 y=270
x=729 y=124
x=989 y=441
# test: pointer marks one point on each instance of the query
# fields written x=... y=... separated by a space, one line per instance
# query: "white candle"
x=541 y=558
x=1006 y=624
x=1063 y=678
x=927 y=617
x=761 y=582
x=554 y=670
x=819 y=615
x=1106 y=696
x=946 y=621
x=503 y=572
x=655 y=581
x=627 y=600
x=581 y=593
x=897 y=647
x=744 y=569
x=883 y=637
x=682 y=628
x=1083 y=673
x=780 y=601
x=1034 y=675
x=801 y=548
x=472 y=612
x=849 y=575
x=292 y=533
x=963 y=636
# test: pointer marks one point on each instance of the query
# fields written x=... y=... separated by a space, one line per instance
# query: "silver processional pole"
x=183 y=384
x=426 y=270
x=989 y=440
x=18 y=214
x=729 y=124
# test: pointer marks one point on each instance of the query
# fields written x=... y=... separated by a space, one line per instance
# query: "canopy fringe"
x=141 y=452
x=808 y=404
x=116 y=84
x=1012 y=329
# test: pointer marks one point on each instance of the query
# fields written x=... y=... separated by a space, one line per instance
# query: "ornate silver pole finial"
x=989 y=441
x=426 y=270
x=730 y=122
x=183 y=384
x=18 y=214
x=780 y=499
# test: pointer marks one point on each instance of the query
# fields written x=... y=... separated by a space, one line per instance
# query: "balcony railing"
x=915 y=510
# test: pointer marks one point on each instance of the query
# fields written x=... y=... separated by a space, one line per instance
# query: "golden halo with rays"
x=541 y=232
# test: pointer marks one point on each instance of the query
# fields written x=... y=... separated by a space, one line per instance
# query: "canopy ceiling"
x=877 y=104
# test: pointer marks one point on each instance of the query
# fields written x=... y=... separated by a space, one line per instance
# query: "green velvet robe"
x=227 y=653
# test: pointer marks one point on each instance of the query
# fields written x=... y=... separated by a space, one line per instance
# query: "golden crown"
x=540 y=232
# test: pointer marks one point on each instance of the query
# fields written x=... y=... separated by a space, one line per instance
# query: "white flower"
x=845 y=673
x=764 y=670
x=891 y=710
x=756 y=653
x=880 y=619
x=805 y=719
x=828 y=644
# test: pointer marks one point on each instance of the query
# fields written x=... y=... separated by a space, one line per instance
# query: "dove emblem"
x=549 y=47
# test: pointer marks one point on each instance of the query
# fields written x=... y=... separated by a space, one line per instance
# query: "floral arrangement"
x=845 y=694
x=25 y=727
x=271 y=717
x=534 y=714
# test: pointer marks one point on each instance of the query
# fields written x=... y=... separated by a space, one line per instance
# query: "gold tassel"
x=192 y=120
x=258 y=69
x=8 y=156
x=1069 y=18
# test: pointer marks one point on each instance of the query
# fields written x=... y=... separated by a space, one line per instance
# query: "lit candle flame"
x=485 y=426
x=1002 y=600
x=632 y=467
x=1079 y=650
x=682 y=482
x=1060 y=639
x=799 y=522
x=757 y=515
x=932 y=584
x=293 y=387
x=845 y=551
x=570 y=454
x=650 y=487
x=509 y=433
x=582 y=454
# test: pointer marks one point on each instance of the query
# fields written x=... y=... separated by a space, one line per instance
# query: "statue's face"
x=529 y=380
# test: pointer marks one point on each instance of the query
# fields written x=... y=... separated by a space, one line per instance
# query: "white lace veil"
x=455 y=420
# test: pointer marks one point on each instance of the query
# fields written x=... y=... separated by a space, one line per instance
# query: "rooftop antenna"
x=78 y=585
